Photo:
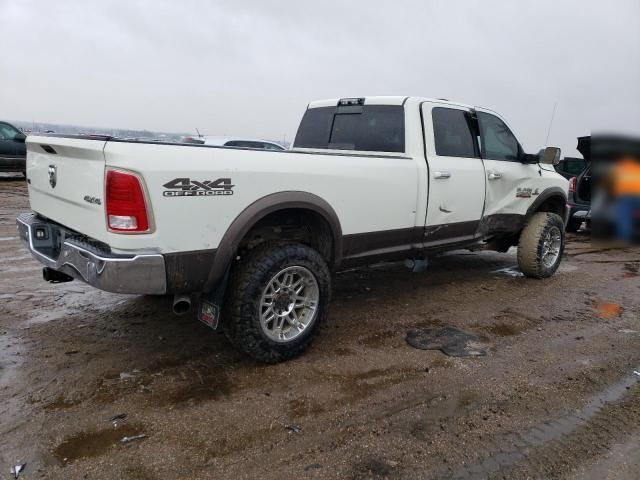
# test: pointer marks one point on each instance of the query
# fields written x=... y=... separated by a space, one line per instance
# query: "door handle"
x=442 y=175
x=495 y=175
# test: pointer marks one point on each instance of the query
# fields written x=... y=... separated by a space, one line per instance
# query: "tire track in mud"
x=555 y=447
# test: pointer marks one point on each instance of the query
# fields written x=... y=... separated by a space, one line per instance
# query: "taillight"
x=126 y=206
x=572 y=185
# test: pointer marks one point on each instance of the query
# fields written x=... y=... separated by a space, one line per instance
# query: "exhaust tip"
x=181 y=304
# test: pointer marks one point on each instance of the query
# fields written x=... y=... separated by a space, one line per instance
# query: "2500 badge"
x=185 y=187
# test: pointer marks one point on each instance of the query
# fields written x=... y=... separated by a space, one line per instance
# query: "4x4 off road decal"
x=185 y=187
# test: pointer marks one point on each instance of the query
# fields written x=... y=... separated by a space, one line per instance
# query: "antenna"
x=198 y=131
x=553 y=114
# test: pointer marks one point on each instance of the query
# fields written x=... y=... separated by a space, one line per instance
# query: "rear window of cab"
x=370 y=128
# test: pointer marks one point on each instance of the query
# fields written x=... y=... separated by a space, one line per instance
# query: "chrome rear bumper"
x=66 y=252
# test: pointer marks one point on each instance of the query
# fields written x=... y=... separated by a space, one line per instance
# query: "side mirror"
x=550 y=156
x=20 y=137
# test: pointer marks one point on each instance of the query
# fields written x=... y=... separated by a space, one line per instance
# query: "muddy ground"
x=555 y=396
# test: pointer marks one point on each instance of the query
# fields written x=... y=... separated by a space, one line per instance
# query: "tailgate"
x=66 y=181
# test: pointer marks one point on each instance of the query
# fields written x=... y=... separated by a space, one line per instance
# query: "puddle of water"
x=93 y=444
x=68 y=302
x=175 y=382
x=8 y=239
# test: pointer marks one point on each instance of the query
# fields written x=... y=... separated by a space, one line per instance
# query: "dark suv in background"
x=580 y=189
x=570 y=167
x=13 y=151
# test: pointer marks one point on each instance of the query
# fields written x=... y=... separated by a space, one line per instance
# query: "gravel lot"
x=555 y=396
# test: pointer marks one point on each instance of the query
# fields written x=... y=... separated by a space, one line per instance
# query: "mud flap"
x=210 y=304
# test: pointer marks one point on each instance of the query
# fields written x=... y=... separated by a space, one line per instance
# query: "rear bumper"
x=579 y=211
x=69 y=253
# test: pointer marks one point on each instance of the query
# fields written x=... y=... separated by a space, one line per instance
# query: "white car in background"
x=234 y=142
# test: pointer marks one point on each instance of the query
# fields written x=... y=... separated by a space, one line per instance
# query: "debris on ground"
x=133 y=438
x=509 y=271
x=448 y=340
x=16 y=469
x=127 y=375
x=120 y=416
x=608 y=310
x=293 y=428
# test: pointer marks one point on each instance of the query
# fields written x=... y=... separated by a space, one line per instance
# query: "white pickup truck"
x=254 y=236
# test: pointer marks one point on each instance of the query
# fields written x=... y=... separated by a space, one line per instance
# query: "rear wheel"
x=278 y=296
x=541 y=245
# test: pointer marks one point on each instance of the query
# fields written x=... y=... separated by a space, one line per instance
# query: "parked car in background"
x=571 y=167
x=580 y=189
x=13 y=150
x=234 y=142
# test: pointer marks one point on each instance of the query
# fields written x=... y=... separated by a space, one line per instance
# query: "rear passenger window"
x=372 y=128
x=452 y=132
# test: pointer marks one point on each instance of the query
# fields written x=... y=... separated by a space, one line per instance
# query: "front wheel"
x=541 y=245
x=278 y=296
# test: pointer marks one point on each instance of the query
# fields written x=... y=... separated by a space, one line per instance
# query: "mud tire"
x=241 y=314
x=530 y=246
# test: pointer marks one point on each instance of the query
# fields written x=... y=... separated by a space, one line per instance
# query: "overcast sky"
x=250 y=67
